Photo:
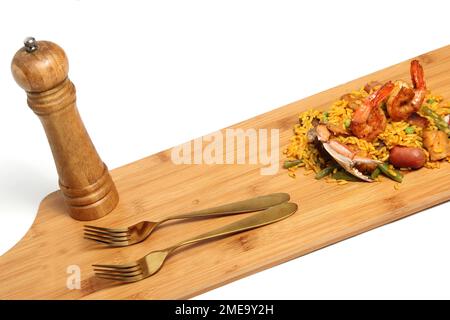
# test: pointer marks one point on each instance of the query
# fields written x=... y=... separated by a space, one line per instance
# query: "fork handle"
x=249 y=205
x=268 y=216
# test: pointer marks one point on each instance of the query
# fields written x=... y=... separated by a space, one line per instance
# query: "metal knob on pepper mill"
x=41 y=69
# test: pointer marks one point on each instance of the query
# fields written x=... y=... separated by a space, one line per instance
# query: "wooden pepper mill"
x=41 y=68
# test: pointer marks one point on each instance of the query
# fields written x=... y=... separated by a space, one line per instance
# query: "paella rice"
x=396 y=134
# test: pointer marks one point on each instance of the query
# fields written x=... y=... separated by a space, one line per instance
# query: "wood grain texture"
x=84 y=179
x=154 y=187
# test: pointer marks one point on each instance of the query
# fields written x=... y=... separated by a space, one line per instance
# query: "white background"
x=151 y=75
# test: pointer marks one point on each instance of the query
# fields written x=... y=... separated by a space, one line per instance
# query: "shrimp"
x=369 y=120
x=404 y=100
x=418 y=80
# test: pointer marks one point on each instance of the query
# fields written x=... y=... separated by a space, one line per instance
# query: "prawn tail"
x=417 y=75
x=382 y=94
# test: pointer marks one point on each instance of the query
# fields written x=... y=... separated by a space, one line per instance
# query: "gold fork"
x=121 y=237
x=152 y=262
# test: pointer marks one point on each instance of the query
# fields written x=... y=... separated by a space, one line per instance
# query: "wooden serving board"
x=154 y=187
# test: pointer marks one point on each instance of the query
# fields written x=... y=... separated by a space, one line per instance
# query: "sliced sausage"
x=407 y=157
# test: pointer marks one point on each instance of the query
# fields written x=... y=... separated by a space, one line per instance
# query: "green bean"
x=344 y=175
x=291 y=163
x=325 y=172
x=438 y=120
x=375 y=173
x=391 y=173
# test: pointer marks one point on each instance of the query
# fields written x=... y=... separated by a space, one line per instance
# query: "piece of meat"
x=311 y=135
x=437 y=144
x=352 y=101
x=315 y=122
x=348 y=97
x=365 y=167
x=322 y=132
x=337 y=130
x=355 y=104
x=417 y=120
x=371 y=85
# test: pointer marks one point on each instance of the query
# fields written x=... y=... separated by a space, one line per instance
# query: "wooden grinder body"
x=83 y=177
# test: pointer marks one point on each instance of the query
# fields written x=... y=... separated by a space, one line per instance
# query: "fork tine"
x=117 y=266
x=118 y=271
x=113 y=230
x=120 y=279
x=87 y=229
x=126 y=275
x=105 y=237
x=105 y=240
x=129 y=272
